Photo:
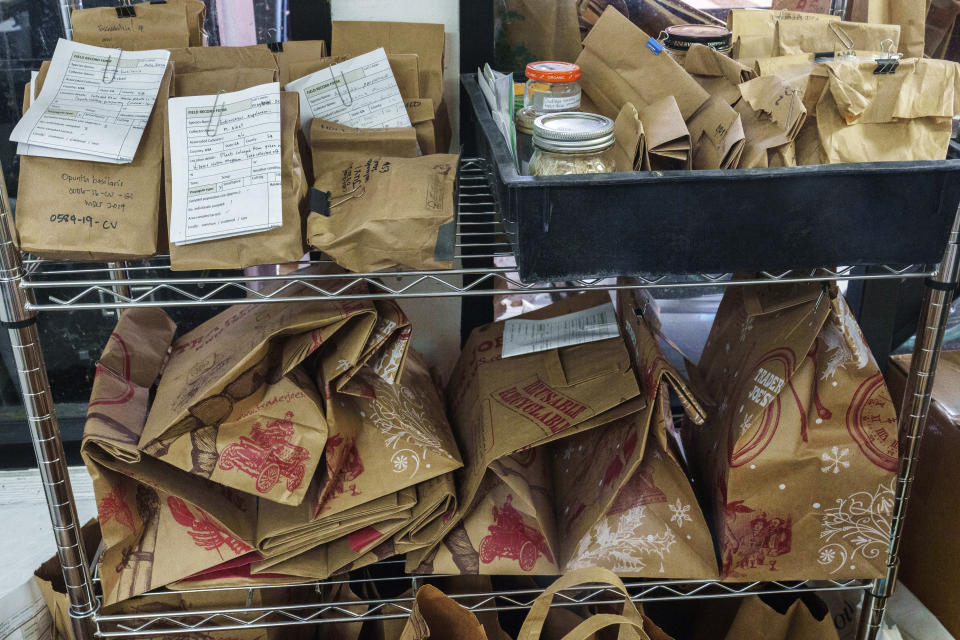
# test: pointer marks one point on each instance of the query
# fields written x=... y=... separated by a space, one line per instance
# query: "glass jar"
x=678 y=38
x=552 y=87
x=572 y=143
x=524 y=124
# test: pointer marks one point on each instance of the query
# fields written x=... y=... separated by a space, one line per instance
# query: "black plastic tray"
x=569 y=227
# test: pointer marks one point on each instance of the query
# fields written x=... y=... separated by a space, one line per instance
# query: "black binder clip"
x=126 y=10
x=320 y=200
x=276 y=47
x=888 y=61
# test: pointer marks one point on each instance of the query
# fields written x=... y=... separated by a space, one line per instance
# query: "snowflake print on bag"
x=858 y=525
x=835 y=459
x=681 y=513
x=622 y=549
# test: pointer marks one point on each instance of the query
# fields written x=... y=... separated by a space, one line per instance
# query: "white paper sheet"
x=360 y=92
x=94 y=101
x=225 y=164
x=24 y=614
x=497 y=88
x=530 y=336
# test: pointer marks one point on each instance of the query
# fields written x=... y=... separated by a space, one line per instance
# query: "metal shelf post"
x=914 y=408
x=21 y=326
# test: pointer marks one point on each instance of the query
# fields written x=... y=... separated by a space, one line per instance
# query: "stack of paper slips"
x=94 y=104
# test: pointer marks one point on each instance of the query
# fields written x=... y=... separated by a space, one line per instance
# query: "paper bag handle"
x=533 y=625
x=629 y=628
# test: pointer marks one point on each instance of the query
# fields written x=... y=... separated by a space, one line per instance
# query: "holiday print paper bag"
x=800 y=456
x=623 y=498
x=159 y=524
x=234 y=406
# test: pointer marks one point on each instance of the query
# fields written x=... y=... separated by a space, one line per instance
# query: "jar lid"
x=548 y=71
x=524 y=120
x=681 y=36
x=573 y=131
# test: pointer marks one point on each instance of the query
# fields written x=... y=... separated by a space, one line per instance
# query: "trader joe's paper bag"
x=796 y=36
x=500 y=406
x=152 y=26
x=771 y=618
x=331 y=143
x=282 y=244
x=159 y=524
x=401 y=212
x=619 y=68
x=233 y=406
x=623 y=500
x=79 y=210
x=800 y=457
x=868 y=117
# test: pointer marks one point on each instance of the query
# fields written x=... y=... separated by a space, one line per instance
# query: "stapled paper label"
x=530 y=336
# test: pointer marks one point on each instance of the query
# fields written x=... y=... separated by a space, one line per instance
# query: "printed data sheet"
x=225 y=164
x=360 y=92
x=94 y=101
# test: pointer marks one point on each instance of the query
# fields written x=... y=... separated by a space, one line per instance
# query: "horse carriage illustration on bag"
x=268 y=455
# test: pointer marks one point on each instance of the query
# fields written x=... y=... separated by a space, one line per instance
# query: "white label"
x=530 y=336
x=566 y=103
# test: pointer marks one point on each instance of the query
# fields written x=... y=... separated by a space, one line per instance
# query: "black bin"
x=570 y=227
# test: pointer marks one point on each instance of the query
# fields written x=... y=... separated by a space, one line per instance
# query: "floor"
x=27 y=532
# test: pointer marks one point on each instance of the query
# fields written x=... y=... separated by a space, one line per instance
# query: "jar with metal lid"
x=552 y=87
x=572 y=143
x=677 y=39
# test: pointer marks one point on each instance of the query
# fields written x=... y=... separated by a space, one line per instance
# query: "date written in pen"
x=87 y=221
x=97 y=193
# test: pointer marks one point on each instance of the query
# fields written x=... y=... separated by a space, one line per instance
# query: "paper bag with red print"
x=623 y=499
x=501 y=406
x=385 y=351
x=235 y=406
x=801 y=454
x=159 y=524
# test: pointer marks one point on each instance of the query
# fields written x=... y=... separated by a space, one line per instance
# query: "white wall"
x=436 y=321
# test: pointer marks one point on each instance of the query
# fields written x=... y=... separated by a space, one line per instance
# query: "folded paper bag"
x=773 y=114
x=58 y=217
x=385 y=212
x=332 y=143
x=667 y=136
x=717 y=73
x=754 y=30
x=716 y=134
x=806 y=618
x=795 y=36
x=136 y=28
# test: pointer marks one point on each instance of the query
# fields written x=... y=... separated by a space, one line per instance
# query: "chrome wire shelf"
x=62 y=286
x=225 y=619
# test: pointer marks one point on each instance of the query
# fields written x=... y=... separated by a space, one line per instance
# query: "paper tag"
x=549 y=104
x=654 y=46
x=530 y=336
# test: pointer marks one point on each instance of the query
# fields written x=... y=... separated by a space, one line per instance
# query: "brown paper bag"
x=716 y=134
x=425 y=40
x=795 y=37
x=421 y=114
x=159 y=525
x=152 y=26
x=332 y=144
x=866 y=117
x=809 y=6
x=717 y=73
x=773 y=115
x=806 y=618
x=794 y=70
x=754 y=30
x=619 y=68
x=403 y=215
x=503 y=406
x=79 y=210
x=801 y=455
x=283 y=244
x=668 y=140
x=293 y=52
x=630 y=148
x=623 y=499
x=49 y=579
x=909 y=14
x=196 y=17
x=437 y=617
x=192 y=59
x=234 y=406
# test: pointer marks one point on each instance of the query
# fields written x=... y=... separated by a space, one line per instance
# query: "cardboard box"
x=930 y=557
